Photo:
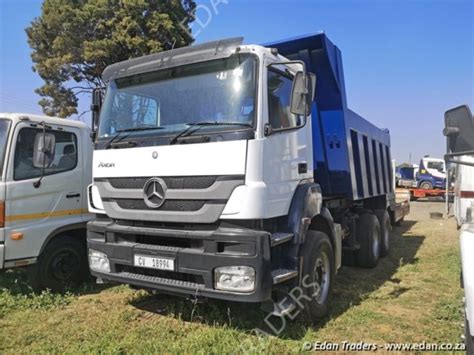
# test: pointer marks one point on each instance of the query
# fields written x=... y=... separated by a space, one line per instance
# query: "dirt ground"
x=413 y=295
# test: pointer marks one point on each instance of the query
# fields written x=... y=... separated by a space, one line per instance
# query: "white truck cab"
x=44 y=172
x=463 y=190
x=431 y=174
x=459 y=130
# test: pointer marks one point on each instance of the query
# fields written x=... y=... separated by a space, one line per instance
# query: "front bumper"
x=196 y=251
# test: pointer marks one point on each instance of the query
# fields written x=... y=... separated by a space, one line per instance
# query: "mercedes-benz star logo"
x=154 y=192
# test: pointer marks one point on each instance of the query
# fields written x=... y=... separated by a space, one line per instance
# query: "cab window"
x=437 y=165
x=4 y=129
x=63 y=158
x=279 y=96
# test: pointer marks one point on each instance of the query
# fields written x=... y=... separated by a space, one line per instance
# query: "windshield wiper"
x=140 y=128
x=187 y=131
x=118 y=138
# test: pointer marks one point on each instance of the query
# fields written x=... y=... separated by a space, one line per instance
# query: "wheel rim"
x=425 y=186
x=376 y=243
x=322 y=277
x=64 y=265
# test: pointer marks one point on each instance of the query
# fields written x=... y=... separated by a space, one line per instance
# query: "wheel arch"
x=307 y=212
x=76 y=230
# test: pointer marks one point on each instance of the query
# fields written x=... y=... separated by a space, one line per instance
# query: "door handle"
x=302 y=168
x=73 y=195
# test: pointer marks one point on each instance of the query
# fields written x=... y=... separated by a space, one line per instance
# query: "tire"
x=318 y=264
x=61 y=266
x=426 y=185
x=369 y=236
x=385 y=229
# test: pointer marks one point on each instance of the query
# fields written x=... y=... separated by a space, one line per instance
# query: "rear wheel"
x=370 y=238
x=426 y=185
x=61 y=265
x=385 y=228
x=318 y=274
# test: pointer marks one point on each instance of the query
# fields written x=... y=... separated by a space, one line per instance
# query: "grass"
x=412 y=296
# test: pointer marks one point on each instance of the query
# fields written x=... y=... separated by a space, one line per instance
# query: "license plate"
x=154 y=262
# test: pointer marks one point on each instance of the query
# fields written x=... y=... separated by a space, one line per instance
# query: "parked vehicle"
x=224 y=170
x=431 y=174
x=459 y=130
x=425 y=180
x=406 y=176
x=45 y=168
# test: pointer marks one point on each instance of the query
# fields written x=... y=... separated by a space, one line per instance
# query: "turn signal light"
x=2 y=214
x=16 y=236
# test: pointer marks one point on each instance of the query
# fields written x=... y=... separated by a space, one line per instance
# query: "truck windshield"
x=4 y=129
x=220 y=91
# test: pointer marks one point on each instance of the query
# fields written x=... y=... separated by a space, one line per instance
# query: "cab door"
x=39 y=203
x=287 y=151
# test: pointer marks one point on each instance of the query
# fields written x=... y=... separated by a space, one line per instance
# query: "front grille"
x=187 y=199
x=175 y=182
x=168 y=205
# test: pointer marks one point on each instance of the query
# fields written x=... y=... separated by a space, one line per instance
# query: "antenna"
x=172 y=48
x=171 y=52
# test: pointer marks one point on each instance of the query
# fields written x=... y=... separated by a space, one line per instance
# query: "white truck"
x=431 y=174
x=459 y=130
x=220 y=171
x=45 y=168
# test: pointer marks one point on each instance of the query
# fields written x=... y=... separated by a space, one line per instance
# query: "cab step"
x=282 y=275
x=280 y=238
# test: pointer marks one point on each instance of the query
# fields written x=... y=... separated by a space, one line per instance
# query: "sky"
x=405 y=62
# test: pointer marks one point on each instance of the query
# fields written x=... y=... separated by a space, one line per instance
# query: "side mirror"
x=43 y=150
x=95 y=108
x=302 y=94
x=459 y=129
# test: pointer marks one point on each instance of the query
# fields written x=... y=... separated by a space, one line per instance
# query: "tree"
x=74 y=40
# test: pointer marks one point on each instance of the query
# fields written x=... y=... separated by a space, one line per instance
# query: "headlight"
x=95 y=201
x=98 y=261
x=234 y=278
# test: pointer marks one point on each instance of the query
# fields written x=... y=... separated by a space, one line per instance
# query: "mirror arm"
x=37 y=183
x=447 y=158
x=460 y=162
x=290 y=62
x=267 y=130
x=458 y=154
x=97 y=95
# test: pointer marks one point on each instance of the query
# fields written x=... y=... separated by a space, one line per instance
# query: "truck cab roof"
x=40 y=118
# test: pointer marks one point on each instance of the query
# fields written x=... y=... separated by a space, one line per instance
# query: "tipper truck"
x=237 y=172
x=459 y=130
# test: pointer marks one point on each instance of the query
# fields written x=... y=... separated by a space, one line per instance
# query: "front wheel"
x=61 y=265
x=318 y=274
x=426 y=185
